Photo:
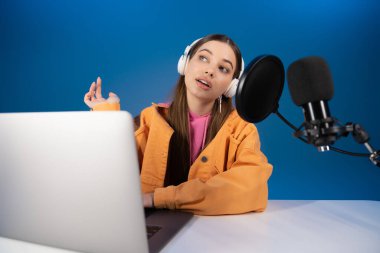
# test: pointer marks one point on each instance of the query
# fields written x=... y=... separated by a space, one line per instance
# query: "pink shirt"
x=198 y=131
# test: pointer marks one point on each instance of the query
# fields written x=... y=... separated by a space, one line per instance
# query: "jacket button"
x=204 y=159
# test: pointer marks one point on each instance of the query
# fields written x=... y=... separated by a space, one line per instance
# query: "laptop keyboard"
x=151 y=230
x=149 y=211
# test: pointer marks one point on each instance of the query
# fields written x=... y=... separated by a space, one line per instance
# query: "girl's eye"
x=203 y=58
x=223 y=69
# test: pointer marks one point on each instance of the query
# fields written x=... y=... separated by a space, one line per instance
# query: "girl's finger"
x=87 y=97
x=113 y=98
x=92 y=87
x=87 y=100
x=98 y=88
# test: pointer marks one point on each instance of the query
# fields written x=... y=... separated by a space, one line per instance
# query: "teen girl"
x=196 y=154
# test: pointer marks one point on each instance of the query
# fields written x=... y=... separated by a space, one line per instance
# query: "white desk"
x=286 y=226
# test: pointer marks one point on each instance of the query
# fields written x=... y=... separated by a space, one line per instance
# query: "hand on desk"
x=148 y=199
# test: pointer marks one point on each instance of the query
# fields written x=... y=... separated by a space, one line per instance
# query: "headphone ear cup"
x=231 y=90
x=181 y=65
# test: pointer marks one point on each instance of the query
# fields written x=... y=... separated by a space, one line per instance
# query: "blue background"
x=51 y=51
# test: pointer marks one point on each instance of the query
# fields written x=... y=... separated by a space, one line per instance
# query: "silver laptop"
x=71 y=180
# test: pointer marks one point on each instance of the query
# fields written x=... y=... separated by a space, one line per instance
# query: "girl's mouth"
x=203 y=84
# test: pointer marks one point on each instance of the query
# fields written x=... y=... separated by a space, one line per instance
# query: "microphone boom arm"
x=315 y=134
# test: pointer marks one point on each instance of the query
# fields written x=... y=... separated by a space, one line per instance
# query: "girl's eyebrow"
x=207 y=50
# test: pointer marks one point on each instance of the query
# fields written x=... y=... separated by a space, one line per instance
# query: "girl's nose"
x=208 y=72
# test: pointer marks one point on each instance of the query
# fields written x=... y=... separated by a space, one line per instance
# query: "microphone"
x=311 y=87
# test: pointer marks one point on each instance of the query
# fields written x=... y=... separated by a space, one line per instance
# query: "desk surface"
x=286 y=226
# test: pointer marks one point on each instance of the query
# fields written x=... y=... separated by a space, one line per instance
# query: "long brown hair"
x=178 y=163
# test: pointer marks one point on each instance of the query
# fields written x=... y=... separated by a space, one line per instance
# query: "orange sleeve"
x=107 y=107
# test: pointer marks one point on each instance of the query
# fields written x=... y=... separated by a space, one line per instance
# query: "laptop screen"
x=71 y=180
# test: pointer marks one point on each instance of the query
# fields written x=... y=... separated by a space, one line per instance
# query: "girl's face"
x=210 y=71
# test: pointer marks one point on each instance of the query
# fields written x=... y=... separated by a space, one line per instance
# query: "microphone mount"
x=321 y=137
x=359 y=134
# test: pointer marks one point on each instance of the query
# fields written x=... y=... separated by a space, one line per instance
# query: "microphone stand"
x=323 y=137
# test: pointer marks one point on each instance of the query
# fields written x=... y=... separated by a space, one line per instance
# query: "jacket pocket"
x=206 y=172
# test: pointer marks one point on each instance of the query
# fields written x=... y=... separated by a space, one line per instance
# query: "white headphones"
x=183 y=60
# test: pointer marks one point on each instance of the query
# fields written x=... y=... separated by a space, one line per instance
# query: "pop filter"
x=260 y=88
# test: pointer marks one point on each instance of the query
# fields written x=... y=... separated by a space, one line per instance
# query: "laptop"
x=70 y=180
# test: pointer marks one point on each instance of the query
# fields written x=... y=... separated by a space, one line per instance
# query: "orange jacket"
x=229 y=176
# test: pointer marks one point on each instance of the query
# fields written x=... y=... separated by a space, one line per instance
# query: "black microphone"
x=311 y=87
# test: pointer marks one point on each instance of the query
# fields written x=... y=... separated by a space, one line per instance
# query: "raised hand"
x=94 y=95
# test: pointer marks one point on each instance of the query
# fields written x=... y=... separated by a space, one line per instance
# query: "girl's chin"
x=199 y=93
x=202 y=97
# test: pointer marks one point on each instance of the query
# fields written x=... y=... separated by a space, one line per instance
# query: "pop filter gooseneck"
x=260 y=88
